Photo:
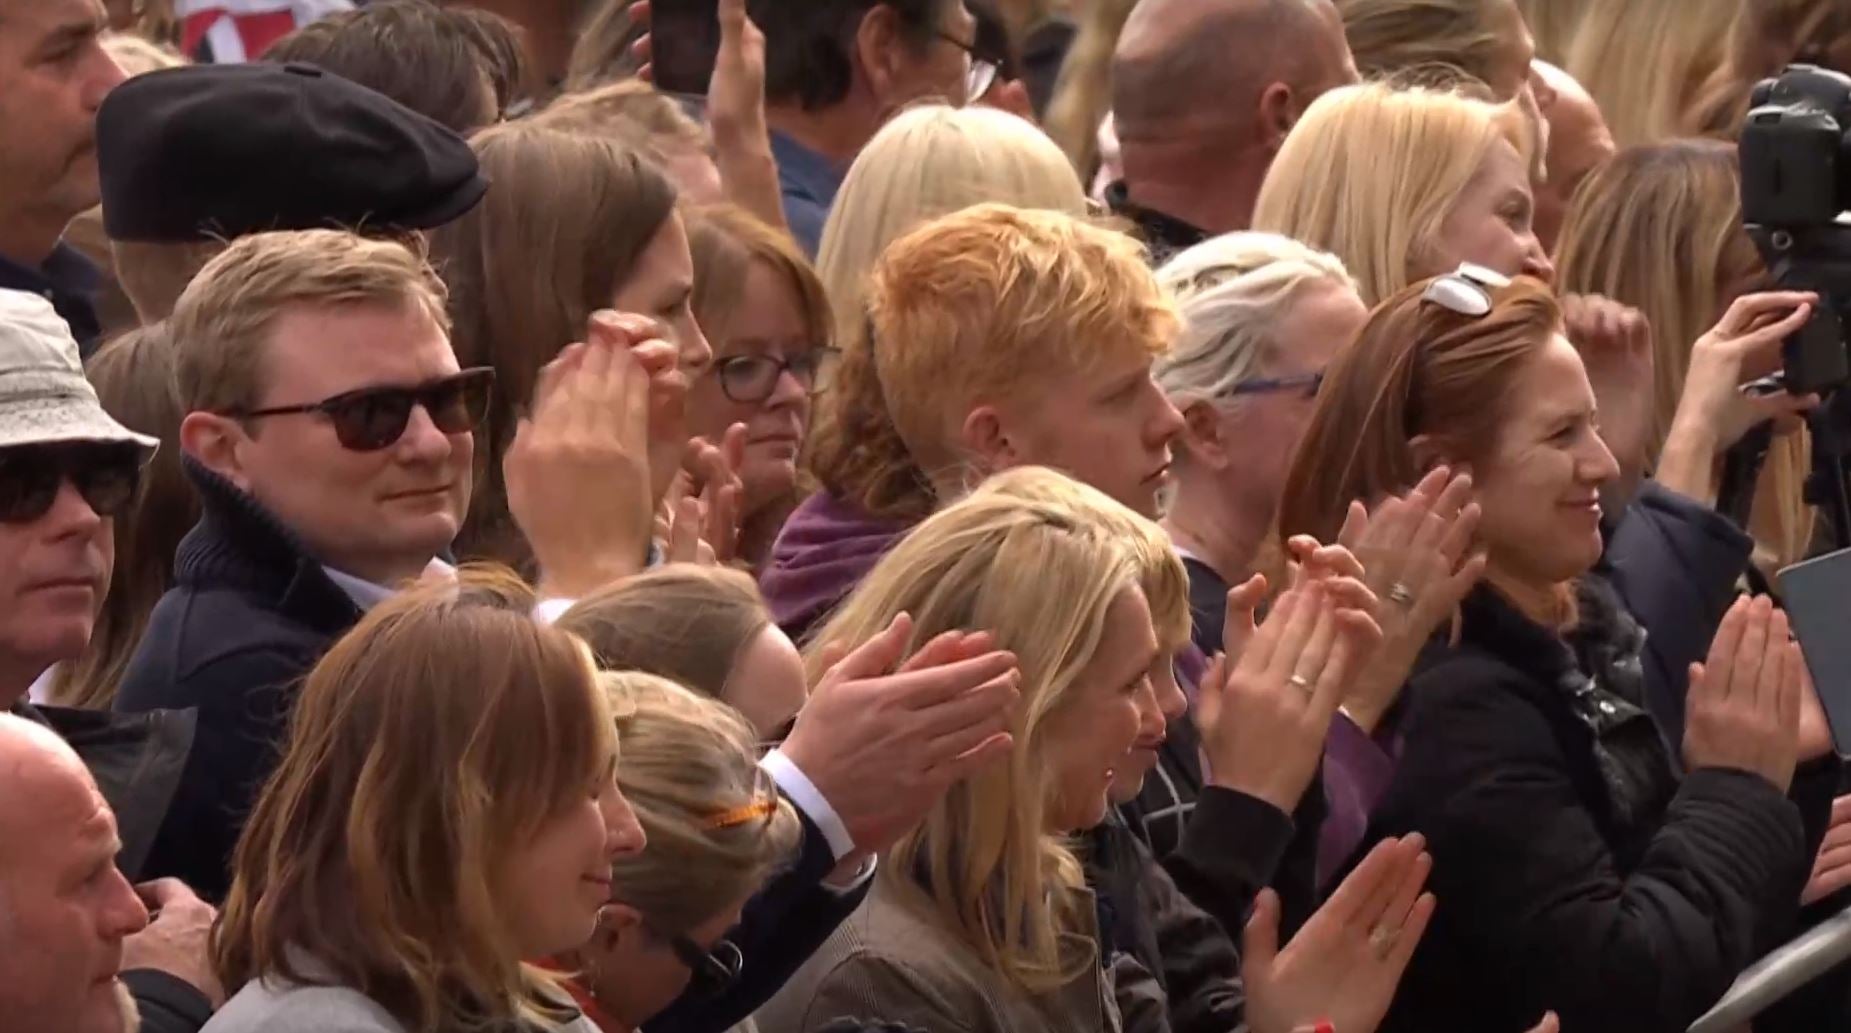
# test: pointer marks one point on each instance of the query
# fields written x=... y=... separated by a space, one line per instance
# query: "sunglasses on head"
x=106 y=474
x=373 y=418
x=1466 y=290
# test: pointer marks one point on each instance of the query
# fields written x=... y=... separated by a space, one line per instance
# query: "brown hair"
x=1389 y=37
x=133 y=376
x=562 y=230
x=1415 y=369
x=223 y=319
x=1766 y=37
x=153 y=276
x=725 y=240
x=684 y=622
x=968 y=307
x=428 y=743
x=458 y=65
x=602 y=51
x=632 y=112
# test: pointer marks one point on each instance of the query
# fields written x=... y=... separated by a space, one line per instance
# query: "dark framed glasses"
x=714 y=971
x=106 y=473
x=749 y=379
x=982 y=73
x=1306 y=384
x=373 y=418
x=1466 y=291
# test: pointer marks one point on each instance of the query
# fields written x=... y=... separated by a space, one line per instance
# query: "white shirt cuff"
x=804 y=795
x=548 y=611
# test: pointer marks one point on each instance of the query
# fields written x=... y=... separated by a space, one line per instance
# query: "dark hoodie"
x=824 y=551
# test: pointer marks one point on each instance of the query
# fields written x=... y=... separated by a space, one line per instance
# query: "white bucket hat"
x=44 y=397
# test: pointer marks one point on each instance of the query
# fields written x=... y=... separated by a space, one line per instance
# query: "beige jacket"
x=888 y=963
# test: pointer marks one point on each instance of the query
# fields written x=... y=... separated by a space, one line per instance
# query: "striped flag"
x=233 y=31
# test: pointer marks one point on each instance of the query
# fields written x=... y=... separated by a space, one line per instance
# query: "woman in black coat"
x=1580 y=866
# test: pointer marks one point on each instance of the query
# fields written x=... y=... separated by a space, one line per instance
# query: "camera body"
x=1796 y=182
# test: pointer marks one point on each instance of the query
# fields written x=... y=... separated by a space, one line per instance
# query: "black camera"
x=1796 y=181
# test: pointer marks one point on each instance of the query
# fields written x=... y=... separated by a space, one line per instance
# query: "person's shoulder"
x=264 y=1006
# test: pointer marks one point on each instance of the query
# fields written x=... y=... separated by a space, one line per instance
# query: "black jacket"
x=1162 y=233
x=1676 y=564
x=249 y=614
x=137 y=761
x=167 y=1004
x=1575 y=869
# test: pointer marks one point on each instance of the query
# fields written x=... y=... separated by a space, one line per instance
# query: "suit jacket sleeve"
x=782 y=926
x=1558 y=924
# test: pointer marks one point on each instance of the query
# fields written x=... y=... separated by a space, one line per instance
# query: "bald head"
x=45 y=783
x=1579 y=142
x=1203 y=65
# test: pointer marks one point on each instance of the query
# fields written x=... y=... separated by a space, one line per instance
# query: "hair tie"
x=740 y=815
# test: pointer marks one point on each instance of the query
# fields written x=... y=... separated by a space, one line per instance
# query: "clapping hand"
x=698 y=521
x=1745 y=700
x=1344 y=965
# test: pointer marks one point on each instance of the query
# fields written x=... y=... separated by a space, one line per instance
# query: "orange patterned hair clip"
x=759 y=808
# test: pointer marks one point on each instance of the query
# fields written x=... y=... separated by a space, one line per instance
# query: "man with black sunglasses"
x=67 y=469
x=328 y=431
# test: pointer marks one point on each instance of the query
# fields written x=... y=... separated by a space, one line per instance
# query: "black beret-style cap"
x=221 y=151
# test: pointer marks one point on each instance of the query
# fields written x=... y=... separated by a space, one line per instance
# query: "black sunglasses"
x=749 y=379
x=715 y=971
x=107 y=475
x=373 y=418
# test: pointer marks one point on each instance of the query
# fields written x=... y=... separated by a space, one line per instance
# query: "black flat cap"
x=214 y=151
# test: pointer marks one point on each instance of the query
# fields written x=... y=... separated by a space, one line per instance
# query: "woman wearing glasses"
x=446 y=806
x=717 y=831
x=1585 y=867
x=764 y=310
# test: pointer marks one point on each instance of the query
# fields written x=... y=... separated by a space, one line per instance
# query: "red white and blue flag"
x=233 y=31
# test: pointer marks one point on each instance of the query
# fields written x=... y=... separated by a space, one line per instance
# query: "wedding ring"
x=1301 y=681
x=1382 y=940
x=1401 y=594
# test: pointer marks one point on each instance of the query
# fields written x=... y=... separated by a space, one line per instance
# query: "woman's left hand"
x=700 y=516
x=1831 y=872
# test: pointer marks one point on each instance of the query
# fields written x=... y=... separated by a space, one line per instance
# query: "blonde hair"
x=1040 y=578
x=1370 y=173
x=139 y=55
x=1389 y=37
x=1554 y=24
x=426 y=746
x=631 y=112
x=1645 y=61
x=1234 y=290
x=681 y=621
x=153 y=276
x=716 y=825
x=970 y=308
x=223 y=319
x=929 y=161
x=1161 y=574
x=1660 y=228
x=1764 y=38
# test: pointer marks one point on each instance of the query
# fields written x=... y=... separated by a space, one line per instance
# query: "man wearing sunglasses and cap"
x=328 y=431
x=66 y=471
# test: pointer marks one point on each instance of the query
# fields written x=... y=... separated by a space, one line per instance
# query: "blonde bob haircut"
x=1161 y=574
x=428 y=744
x=929 y=161
x=682 y=621
x=1659 y=228
x=1041 y=578
x=968 y=309
x=1234 y=290
x=716 y=825
x=1370 y=173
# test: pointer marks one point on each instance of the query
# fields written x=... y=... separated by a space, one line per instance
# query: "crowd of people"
x=962 y=516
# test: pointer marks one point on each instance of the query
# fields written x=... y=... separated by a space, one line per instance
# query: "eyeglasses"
x=1467 y=290
x=753 y=378
x=1309 y=383
x=715 y=971
x=373 y=418
x=983 y=71
x=107 y=475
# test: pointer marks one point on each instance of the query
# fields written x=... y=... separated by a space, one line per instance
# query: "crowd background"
x=963 y=516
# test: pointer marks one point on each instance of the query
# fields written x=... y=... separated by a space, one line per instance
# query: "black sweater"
x=1575 y=869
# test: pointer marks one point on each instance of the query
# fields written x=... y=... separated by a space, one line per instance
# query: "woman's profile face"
x=1090 y=735
x=1539 y=487
x=559 y=877
x=661 y=286
x=1491 y=223
x=762 y=376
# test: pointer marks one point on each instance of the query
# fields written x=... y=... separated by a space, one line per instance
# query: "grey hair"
x=1233 y=291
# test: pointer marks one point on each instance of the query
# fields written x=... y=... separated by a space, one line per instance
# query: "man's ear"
x=1202 y=435
x=1278 y=114
x=879 y=49
x=215 y=441
x=985 y=439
